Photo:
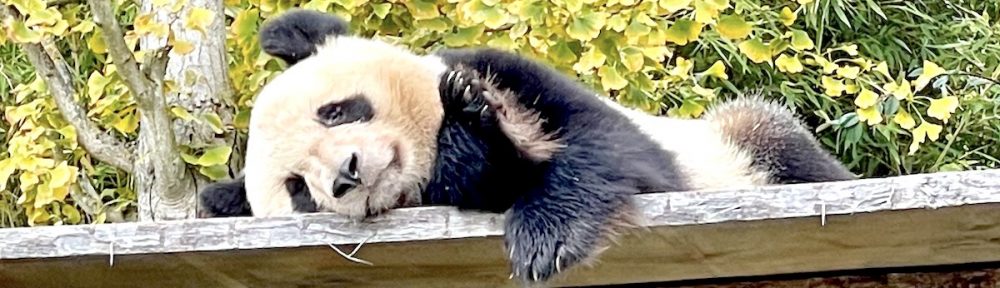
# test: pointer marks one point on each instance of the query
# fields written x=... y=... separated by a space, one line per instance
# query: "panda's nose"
x=347 y=176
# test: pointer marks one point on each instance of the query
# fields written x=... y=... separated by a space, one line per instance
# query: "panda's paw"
x=224 y=199
x=465 y=93
x=539 y=249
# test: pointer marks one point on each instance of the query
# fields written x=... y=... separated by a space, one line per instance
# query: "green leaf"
x=422 y=9
x=561 y=53
x=636 y=30
x=755 y=50
x=586 y=26
x=801 y=41
x=214 y=172
x=691 y=108
x=215 y=156
x=242 y=120
x=23 y=34
x=182 y=113
x=96 y=84
x=382 y=9
x=464 y=36
x=633 y=59
x=683 y=31
x=213 y=121
x=71 y=215
x=188 y=157
x=733 y=27
x=438 y=24
x=611 y=79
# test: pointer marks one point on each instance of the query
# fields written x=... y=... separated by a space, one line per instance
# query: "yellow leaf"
x=617 y=22
x=674 y=5
x=61 y=175
x=160 y=3
x=930 y=71
x=828 y=67
x=589 y=60
x=182 y=47
x=586 y=26
x=96 y=43
x=883 y=68
x=611 y=79
x=834 y=87
x=870 y=115
x=848 y=72
x=717 y=70
x=904 y=119
x=633 y=59
x=706 y=11
x=7 y=168
x=851 y=87
x=787 y=16
x=199 y=19
x=84 y=26
x=926 y=130
x=690 y=108
x=900 y=91
x=733 y=27
x=682 y=69
x=803 y=2
x=658 y=53
x=95 y=85
x=683 y=31
x=866 y=99
x=22 y=34
x=704 y=92
x=850 y=49
x=943 y=108
x=145 y=24
x=788 y=64
x=755 y=50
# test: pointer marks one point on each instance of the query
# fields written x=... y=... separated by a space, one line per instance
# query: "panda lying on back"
x=357 y=126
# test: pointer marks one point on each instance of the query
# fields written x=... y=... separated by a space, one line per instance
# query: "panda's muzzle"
x=348 y=176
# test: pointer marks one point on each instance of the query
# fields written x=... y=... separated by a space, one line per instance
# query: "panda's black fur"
x=560 y=209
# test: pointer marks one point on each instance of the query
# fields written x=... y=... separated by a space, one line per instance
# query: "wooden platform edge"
x=815 y=200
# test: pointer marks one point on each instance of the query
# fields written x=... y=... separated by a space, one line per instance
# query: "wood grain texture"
x=929 y=219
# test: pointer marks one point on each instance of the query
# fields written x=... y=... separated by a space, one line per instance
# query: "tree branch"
x=103 y=147
x=121 y=55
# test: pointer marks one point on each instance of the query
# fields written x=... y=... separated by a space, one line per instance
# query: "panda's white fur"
x=276 y=121
x=705 y=155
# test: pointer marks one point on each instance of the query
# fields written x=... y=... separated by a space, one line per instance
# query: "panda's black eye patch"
x=353 y=109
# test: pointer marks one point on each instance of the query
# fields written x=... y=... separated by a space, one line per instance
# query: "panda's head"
x=354 y=119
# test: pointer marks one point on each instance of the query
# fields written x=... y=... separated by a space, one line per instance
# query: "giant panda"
x=358 y=126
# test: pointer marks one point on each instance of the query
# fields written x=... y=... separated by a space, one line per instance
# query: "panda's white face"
x=358 y=121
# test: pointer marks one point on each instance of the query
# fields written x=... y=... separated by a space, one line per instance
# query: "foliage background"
x=892 y=86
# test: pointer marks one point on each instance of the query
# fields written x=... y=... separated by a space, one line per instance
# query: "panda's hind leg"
x=779 y=143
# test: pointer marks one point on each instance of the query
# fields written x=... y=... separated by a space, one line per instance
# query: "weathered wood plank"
x=691 y=235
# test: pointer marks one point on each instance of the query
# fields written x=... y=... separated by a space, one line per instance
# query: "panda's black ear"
x=295 y=34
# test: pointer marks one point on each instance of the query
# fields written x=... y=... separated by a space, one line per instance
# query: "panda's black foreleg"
x=226 y=198
x=568 y=219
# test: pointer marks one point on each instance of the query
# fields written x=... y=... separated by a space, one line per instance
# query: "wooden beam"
x=916 y=220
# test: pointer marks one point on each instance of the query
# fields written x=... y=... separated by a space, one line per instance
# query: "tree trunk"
x=202 y=83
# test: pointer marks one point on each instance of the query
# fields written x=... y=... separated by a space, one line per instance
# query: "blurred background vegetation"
x=891 y=87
